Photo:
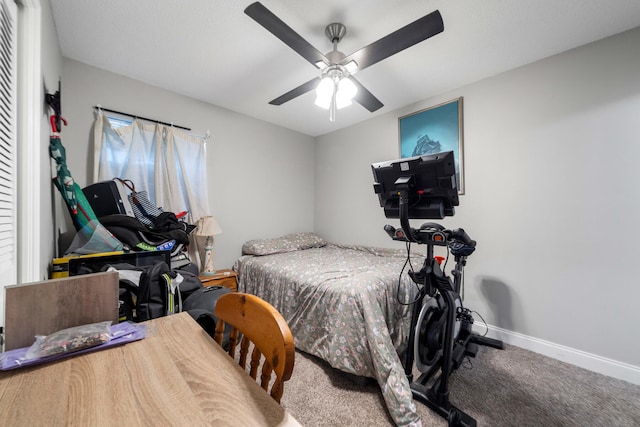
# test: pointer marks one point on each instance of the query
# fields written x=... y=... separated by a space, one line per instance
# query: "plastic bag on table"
x=121 y=333
x=70 y=340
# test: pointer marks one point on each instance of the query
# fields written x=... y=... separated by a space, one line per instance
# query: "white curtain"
x=184 y=178
x=167 y=162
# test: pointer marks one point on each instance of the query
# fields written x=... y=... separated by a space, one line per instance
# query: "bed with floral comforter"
x=342 y=305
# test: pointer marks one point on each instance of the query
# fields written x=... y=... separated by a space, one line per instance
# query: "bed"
x=342 y=305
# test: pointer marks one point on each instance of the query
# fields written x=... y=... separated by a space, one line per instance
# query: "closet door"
x=8 y=146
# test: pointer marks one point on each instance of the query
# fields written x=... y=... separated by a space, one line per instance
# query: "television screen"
x=429 y=183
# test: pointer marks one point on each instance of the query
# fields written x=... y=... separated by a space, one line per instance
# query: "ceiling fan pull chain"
x=332 y=106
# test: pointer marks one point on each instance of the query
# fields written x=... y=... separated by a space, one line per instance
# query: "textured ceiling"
x=211 y=51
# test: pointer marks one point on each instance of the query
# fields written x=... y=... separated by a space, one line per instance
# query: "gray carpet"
x=511 y=387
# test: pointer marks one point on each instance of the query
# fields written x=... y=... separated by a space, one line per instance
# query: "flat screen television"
x=427 y=183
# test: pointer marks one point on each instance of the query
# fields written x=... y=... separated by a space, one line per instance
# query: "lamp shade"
x=338 y=90
x=346 y=92
x=207 y=226
x=324 y=93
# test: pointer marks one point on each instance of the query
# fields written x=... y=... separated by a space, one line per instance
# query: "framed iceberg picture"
x=434 y=130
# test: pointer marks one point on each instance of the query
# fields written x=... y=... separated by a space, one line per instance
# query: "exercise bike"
x=440 y=336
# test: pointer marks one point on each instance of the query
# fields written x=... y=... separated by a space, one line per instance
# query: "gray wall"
x=551 y=196
x=260 y=176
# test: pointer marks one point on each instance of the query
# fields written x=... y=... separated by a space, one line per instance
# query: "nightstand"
x=227 y=278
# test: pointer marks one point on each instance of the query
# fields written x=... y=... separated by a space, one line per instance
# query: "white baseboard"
x=592 y=362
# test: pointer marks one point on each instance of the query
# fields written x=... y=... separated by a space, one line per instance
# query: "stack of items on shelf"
x=137 y=222
x=120 y=219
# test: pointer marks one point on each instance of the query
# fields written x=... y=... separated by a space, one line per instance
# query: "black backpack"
x=158 y=293
x=161 y=291
x=201 y=304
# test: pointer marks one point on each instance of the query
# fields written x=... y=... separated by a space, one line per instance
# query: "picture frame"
x=434 y=130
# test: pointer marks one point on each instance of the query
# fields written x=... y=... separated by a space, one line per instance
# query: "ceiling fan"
x=336 y=87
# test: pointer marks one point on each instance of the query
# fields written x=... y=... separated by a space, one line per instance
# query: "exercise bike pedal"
x=471 y=349
x=458 y=355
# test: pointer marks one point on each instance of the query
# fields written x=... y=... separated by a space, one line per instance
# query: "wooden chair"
x=261 y=324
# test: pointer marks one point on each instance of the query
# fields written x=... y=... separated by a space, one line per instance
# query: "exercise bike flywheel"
x=429 y=332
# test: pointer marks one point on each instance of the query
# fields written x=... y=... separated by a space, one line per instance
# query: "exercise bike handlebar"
x=461 y=236
x=435 y=234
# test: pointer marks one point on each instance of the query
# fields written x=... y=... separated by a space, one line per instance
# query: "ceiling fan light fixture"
x=345 y=93
x=324 y=93
x=335 y=90
x=351 y=66
x=323 y=103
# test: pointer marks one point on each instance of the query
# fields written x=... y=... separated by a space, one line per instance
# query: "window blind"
x=8 y=147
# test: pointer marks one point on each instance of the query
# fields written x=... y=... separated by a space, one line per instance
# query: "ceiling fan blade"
x=366 y=98
x=294 y=93
x=407 y=36
x=275 y=26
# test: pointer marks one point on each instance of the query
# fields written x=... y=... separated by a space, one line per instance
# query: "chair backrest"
x=261 y=324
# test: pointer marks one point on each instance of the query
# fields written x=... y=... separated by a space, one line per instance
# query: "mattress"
x=347 y=304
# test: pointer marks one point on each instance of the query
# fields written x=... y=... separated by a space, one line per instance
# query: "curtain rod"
x=140 y=117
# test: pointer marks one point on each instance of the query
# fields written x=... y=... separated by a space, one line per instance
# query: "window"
x=168 y=163
x=117 y=122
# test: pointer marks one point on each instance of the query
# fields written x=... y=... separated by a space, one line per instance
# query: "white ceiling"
x=211 y=51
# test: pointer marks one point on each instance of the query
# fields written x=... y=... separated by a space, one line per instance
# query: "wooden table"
x=176 y=376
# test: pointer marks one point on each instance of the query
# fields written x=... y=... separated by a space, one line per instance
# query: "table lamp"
x=207 y=227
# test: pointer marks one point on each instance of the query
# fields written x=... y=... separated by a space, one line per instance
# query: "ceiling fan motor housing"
x=335 y=57
x=335 y=32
